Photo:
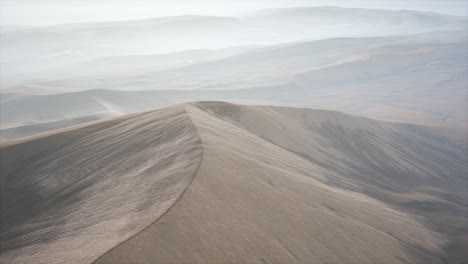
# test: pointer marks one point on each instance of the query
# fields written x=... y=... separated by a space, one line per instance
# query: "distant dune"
x=30 y=130
x=65 y=45
x=398 y=79
x=214 y=182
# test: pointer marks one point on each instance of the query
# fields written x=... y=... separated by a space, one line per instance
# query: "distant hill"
x=329 y=21
x=60 y=45
x=415 y=82
x=30 y=130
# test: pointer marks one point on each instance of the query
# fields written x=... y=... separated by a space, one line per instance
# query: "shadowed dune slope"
x=284 y=185
x=70 y=196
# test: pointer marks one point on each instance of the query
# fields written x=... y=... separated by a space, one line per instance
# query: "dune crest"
x=214 y=182
x=70 y=197
x=255 y=202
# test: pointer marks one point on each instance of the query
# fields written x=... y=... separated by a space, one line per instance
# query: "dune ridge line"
x=175 y=202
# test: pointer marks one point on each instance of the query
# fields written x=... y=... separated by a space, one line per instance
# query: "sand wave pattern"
x=71 y=196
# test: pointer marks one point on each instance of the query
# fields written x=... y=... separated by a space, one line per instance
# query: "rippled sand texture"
x=255 y=200
x=258 y=184
x=70 y=197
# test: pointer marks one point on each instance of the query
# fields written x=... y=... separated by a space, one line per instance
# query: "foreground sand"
x=257 y=185
x=71 y=196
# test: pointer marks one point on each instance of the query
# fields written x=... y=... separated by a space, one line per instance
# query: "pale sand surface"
x=257 y=184
x=254 y=202
x=71 y=196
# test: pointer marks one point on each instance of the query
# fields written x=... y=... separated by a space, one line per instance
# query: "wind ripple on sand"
x=254 y=202
x=72 y=196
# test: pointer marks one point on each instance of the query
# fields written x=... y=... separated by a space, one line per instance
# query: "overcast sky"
x=45 y=12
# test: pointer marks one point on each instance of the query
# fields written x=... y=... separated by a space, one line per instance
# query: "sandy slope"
x=275 y=185
x=30 y=130
x=70 y=197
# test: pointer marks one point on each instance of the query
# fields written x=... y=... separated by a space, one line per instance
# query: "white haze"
x=49 y=12
x=83 y=59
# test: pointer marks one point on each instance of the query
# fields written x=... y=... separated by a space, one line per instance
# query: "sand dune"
x=257 y=184
x=243 y=68
x=71 y=196
x=18 y=110
x=40 y=52
x=378 y=79
x=30 y=130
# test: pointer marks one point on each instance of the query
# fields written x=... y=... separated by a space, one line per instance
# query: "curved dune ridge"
x=213 y=182
x=71 y=196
